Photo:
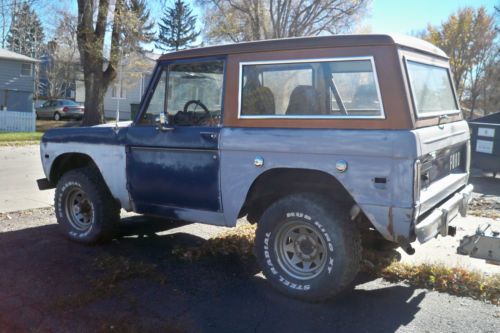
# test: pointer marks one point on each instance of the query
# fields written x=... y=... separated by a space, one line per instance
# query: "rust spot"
x=390 y=225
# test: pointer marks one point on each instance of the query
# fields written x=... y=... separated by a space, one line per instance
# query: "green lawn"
x=19 y=138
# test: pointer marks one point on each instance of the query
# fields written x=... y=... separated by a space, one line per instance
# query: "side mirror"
x=161 y=122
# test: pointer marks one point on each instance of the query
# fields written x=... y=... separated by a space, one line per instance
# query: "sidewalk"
x=444 y=249
x=20 y=167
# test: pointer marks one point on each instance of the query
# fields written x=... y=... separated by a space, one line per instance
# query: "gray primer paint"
x=369 y=154
x=110 y=159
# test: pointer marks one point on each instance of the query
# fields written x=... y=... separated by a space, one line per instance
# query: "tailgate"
x=444 y=159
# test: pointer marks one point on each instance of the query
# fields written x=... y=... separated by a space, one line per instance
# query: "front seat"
x=257 y=99
x=304 y=100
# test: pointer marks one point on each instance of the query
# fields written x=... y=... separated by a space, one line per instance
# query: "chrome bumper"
x=437 y=222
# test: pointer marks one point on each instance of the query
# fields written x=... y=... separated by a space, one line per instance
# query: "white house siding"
x=16 y=91
x=133 y=96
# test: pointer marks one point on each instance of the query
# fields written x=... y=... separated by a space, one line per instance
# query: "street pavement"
x=20 y=167
x=49 y=284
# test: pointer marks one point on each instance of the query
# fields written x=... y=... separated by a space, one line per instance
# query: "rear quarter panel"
x=369 y=154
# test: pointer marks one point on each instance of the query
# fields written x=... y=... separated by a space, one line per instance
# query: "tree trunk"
x=94 y=98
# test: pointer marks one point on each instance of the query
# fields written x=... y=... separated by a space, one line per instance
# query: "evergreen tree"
x=177 y=27
x=26 y=32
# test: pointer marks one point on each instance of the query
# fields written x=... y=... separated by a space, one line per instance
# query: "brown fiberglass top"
x=402 y=41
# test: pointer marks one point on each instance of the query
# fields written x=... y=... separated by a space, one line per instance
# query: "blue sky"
x=403 y=17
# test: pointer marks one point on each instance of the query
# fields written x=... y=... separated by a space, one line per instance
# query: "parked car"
x=322 y=142
x=58 y=109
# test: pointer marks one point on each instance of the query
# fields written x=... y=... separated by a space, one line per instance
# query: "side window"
x=157 y=102
x=195 y=93
x=326 y=89
x=26 y=69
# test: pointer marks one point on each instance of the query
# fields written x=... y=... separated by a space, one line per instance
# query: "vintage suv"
x=317 y=140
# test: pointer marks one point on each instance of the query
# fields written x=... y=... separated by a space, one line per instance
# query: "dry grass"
x=452 y=280
x=485 y=207
x=237 y=242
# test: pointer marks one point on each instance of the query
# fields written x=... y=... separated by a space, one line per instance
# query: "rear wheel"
x=307 y=247
x=85 y=209
x=57 y=116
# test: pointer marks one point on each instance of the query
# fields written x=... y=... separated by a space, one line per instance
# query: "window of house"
x=332 y=88
x=26 y=69
x=118 y=91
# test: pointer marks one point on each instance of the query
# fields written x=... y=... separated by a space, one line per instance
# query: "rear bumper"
x=72 y=115
x=436 y=223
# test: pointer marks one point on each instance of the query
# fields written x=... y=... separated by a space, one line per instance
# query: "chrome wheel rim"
x=79 y=209
x=301 y=250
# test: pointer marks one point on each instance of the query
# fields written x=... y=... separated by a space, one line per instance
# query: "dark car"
x=58 y=109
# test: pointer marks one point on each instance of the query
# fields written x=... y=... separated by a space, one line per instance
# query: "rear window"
x=431 y=89
x=330 y=88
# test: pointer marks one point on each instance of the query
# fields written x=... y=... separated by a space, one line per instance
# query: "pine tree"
x=26 y=32
x=177 y=27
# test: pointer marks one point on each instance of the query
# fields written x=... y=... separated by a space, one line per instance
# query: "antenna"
x=120 y=88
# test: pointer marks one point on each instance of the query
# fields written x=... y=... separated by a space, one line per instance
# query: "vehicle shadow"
x=48 y=283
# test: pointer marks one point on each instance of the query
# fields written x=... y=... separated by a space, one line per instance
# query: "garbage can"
x=134 y=110
x=485 y=143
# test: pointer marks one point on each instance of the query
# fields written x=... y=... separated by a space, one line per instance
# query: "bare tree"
x=469 y=38
x=126 y=24
x=238 y=20
x=63 y=63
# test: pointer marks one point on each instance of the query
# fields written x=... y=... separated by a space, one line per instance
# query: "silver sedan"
x=58 y=109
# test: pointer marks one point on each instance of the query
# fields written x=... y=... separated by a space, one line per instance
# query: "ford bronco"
x=316 y=140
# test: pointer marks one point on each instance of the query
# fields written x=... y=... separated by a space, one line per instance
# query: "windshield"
x=431 y=89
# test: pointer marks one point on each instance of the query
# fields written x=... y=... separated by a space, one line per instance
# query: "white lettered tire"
x=307 y=247
x=85 y=209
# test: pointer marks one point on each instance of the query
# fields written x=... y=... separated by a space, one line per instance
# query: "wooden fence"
x=13 y=121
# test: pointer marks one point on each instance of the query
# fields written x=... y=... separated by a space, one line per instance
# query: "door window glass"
x=157 y=102
x=195 y=93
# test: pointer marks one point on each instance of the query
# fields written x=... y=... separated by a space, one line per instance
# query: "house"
x=126 y=91
x=17 y=81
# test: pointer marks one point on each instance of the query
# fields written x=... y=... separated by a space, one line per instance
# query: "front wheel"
x=307 y=247
x=57 y=116
x=84 y=207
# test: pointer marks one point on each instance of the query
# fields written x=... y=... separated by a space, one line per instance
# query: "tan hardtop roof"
x=310 y=43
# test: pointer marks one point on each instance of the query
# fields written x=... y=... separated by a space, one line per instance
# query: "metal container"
x=485 y=143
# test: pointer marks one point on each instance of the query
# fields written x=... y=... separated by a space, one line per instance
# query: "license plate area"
x=442 y=163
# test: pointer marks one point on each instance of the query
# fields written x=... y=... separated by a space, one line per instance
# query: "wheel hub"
x=301 y=250
x=79 y=209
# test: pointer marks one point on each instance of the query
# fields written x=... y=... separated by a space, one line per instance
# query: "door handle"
x=209 y=135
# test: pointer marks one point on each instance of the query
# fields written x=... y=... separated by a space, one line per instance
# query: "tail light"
x=65 y=109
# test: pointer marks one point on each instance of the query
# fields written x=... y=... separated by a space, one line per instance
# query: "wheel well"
x=69 y=161
x=277 y=183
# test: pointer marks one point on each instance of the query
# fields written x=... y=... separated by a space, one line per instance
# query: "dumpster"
x=485 y=143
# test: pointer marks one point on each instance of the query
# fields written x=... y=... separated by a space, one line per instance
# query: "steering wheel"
x=206 y=115
x=197 y=102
